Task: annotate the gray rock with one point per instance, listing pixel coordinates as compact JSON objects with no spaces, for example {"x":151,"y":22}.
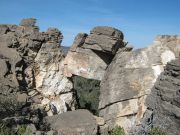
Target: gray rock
{"x":3,"y":29}
{"x":105,"y":39}
{"x":78,"y":41}
{"x":52,"y":132}
{"x":164,"y":101}
{"x":108,"y":31}
{"x":79,"y":122}
{"x":54,"y":35}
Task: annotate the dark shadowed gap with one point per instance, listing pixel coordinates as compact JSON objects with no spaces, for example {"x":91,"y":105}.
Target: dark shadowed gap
{"x":106,"y":57}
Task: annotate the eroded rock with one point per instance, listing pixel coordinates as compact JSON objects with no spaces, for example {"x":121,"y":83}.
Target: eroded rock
{"x":163,"y":103}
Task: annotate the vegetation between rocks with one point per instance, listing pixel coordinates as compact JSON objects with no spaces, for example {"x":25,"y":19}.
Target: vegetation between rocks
{"x":21,"y":130}
{"x":116,"y":131}
{"x":157,"y":131}
{"x":88,"y":91}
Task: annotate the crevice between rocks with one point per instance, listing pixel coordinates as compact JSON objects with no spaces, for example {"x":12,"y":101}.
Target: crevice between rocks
{"x":121,"y":101}
{"x":87,"y":93}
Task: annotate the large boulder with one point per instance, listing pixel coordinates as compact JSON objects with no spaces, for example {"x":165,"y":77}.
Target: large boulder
{"x":90,"y":55}
{"x":129,"y":80}
{"x":79,"y":122}
{"x":106,"y":39}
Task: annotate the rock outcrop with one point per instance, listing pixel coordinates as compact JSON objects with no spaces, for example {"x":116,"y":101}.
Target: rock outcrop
{"x":46,"y":74}
{"x":19,"y":46}
{"x":139,"y":90}
{"x":32,"y":69}
{"x":163,"y":104}
{"x":129,"y":80}
{"x":90,"y":55}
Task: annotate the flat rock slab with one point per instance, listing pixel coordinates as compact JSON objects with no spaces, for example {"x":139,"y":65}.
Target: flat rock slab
{"x":79,"y":122}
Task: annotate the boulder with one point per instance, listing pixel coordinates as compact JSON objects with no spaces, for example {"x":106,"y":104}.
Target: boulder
{"x":79,"y":122}
{"x":90,"y":55}
{"x":130,"y":78}
{"x":106,"y":39}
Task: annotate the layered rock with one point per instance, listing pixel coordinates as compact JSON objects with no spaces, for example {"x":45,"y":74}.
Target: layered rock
{"x":129,"y":80}
{"x":32,"y":68}
{"x":163,"y":104}
{"x":19,"y":46}
{"x":90,"y":55}
{"x":50,"y":81}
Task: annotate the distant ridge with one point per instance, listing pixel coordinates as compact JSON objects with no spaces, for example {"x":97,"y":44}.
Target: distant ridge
{"x":65,"y":49}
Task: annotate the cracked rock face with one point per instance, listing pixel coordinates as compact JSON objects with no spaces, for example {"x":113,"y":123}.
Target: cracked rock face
{"x":90,"y":55}
{"x":46,"y":76}
{"x":16,"y":53}
{"x":129,"y":80}
{"x":31,"y":63}
{"x":164,"y":102}
{"x":49,"y":78}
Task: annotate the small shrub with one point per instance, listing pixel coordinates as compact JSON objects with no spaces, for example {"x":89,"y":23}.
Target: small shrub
{"x":116,"y":131}
{"x":21,"y":130}
{"x":157,"y":131}
{"x":88,"y":91}
{"x":6,"y":131}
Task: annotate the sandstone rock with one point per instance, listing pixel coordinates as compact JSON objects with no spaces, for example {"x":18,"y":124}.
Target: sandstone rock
{"x":73,"y":123}
{"x":129,"y":80}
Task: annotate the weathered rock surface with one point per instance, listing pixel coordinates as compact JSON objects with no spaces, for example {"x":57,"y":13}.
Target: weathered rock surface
{"x":31,"y":64}
{"x":48,"y":75}
{"x":129,"y":80}
{"x":79,"y":122}
{"x":164,"y":102}
{"x":36,"y":79}
{"x":17,"y":51}
{"x":103,"y":38}
{"x":90,"y":55}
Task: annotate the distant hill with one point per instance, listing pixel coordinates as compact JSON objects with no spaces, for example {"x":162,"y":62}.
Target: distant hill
{"x":65,"y":49}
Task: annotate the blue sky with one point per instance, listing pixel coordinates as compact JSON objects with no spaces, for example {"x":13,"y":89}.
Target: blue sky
{"x":140,"y":20}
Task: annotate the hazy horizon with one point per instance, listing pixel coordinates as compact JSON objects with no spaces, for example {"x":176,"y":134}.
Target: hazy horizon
{"x":140,"y":21}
